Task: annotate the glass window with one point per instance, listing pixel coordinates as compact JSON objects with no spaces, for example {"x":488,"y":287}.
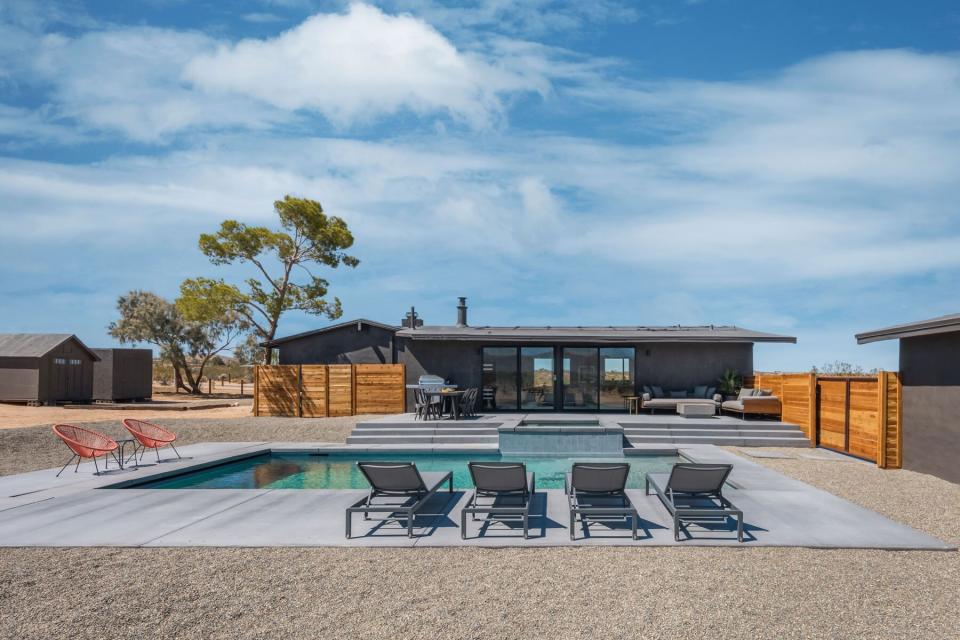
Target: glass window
{"x":616,"y":376}
{"x":74,"y":362}
{"x":499,"y":378}
{"x":579,"y":378}
{"x":536,"y":378}
{"x":59,"y":361}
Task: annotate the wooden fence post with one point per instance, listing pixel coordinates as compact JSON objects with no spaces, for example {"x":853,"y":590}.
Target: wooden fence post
{"x":299,"y":390}
{"x":256,"y":387}
{"x":813,"y":425}
{"x":882,"y":421}
{"x":353,"y":389}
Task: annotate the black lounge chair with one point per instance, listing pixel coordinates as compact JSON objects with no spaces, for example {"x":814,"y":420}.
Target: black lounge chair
{"x":400,"y":480}
{"x":503,"y":493}
{"x":596,"y":491}
{"x":694,"y":493}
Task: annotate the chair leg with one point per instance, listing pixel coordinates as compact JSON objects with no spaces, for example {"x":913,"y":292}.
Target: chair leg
{"x":68,"y":464}
{"x":157,"y":451}
{"x":175,"y":451}
{"x":95,"y":466}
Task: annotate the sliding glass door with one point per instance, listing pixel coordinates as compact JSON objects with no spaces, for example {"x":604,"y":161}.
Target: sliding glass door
{"x":500,"y":378}
{"x":524,"y":378}
{"x":616,"y":376}
{"x":580,"y":378}
{"x":536,"y":379}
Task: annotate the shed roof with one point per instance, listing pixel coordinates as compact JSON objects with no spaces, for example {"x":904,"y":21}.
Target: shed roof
{"x":675,"y":333}
{"x":941,"y":324}
{"x":36,"y":345}
{"x":306,"y":334}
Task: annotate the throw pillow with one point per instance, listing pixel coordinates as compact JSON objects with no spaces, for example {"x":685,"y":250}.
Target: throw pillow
{"x":657,"y":391}
{"x":745,"y":393}
{"x":699,"y":391}
{"x":710,"y":392}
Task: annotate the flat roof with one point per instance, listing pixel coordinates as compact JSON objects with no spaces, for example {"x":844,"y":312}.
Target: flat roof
{"x":675,"y":333}
{"x":941,"y":324}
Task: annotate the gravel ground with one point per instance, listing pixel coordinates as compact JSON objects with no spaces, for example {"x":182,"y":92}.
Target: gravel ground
{"x":30,"y":448}
{"x":504,"y":593}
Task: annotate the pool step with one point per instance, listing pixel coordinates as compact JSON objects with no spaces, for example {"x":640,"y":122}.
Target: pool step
{"x":423,"y":439}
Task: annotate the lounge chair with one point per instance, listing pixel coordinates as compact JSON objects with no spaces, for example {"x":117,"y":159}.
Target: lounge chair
{"x":149,"y":436}
{"x":86,"y":443}
{"x":503,"y":493}
{"x":400,"y":480}
{"x":694,"y":493}
{"x":597,"y":491}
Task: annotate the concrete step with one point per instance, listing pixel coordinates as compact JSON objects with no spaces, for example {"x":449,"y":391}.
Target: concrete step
{"x":710,"y":432}
{"x":724,"y":440}
{"x":423,"y":439}
{"x":709,"y":425}
{"x":438,"y":424}
{"x":421,"y":431}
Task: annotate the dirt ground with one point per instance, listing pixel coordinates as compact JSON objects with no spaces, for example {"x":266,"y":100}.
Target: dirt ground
{"x":18,"y":415}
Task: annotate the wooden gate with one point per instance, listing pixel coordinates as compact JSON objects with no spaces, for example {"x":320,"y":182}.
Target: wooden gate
{"x":859,"y":415}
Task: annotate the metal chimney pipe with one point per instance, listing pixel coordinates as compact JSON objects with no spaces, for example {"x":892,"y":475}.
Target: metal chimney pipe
{"x":462,"y":312}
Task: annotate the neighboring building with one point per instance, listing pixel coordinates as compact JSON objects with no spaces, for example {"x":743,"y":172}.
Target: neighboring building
{"x":536,"y":368}
{"x":123,"y":374}
{"x":45,"y":368}
{"x":930,"y":379}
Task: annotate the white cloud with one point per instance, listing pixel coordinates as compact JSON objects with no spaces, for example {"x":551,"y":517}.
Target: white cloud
{"x":358,"y":66}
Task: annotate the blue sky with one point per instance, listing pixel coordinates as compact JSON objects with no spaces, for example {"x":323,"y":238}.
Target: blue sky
{"x":785,"y":166}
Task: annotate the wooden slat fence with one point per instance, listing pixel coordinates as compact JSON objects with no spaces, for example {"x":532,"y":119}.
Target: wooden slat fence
{"x":317,"y":391}
{"x":859,"y":415}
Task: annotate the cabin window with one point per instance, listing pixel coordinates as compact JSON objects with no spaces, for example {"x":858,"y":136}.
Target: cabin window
{"x":59,"y":361}
{"x":75,"y":362}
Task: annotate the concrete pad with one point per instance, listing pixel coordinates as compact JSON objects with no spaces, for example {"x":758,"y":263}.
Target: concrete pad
{"x":779,"y":511}
{"x":760,"y":453}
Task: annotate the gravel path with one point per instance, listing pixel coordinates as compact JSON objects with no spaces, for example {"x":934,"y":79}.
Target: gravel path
{"x":502,"y":593}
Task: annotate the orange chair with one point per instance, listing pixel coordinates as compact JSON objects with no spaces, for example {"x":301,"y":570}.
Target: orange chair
{"x":86,"y":443}
{"x":150,"y":436}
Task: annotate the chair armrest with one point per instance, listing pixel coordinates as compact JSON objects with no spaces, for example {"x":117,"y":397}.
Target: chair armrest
{"x":646,"y":397}
{"x":717,"y":397}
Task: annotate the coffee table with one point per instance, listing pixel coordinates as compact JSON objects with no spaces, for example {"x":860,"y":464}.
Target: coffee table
{"x":696,"y":409}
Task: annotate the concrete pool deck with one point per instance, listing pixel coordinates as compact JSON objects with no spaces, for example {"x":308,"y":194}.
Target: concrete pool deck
{"x":38,"y":509}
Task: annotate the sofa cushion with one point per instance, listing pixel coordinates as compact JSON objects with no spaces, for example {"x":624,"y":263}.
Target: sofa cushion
{"x":709,"y":392}
{"x":647,"y":389}
{"x":764,"y":392}
{"x":746,"y":393}
{"x":700,"y":391}
{"x":733,"y":404}
{"x":657,"y":391}
{"x":678,"y":394}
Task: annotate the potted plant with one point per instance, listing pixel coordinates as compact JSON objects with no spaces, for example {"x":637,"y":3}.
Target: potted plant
{"x":729,"y":384}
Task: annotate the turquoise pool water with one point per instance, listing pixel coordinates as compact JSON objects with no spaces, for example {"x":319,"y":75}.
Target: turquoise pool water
{"x":339,"y":471}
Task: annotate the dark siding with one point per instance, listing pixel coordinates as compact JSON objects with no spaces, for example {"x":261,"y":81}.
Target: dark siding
{"x":930,"y":370}
{"x":684,"y":365}
{"x":346,"y":345}
{"x":123,"y":374}
{"x":66,"y":382}
{"x":19,"y":379}
{"x":458,"y":362}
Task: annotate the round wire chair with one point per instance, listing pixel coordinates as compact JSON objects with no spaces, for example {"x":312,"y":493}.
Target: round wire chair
{"x":85,"y":443}
{"x":150,"y":436}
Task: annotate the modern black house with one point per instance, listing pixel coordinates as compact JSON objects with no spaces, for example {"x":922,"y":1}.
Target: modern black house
{"x":930,"y":382}
{"x":544,"y":368}
{"x":45,"y":368}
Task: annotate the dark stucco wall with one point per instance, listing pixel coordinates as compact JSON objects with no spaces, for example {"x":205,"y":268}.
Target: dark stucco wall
{"x":930,"y":370}
{"x":346,"y":345}
{"x":458,"y":362}
{"x":684,"y":365}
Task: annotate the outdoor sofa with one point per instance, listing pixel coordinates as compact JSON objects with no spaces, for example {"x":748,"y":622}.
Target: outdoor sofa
{"x":693,"y":493}
{"x":503,"y":492}
{"x":400,"y":491}
{"x":753,"y":402}
{"x":656,"y":398}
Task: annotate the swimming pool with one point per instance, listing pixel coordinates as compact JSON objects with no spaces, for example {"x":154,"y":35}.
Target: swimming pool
{"x":339,"y":471}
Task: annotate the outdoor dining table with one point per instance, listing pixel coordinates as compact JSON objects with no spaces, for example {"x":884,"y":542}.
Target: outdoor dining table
{"x":454,"y":395}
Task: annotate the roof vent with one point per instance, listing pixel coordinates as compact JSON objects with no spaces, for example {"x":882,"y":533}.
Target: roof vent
{"x":462,"y":312}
